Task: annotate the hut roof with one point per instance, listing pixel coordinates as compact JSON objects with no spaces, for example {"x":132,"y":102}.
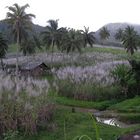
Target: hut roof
{"x":32,"y":65}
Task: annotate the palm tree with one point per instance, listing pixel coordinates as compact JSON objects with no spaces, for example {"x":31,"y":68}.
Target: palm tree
{"x":3,"y":48}
{"x":62,"y":36}
{"x":20,"y":22}
{"x":119,"y":34}
{"x":29,"y":46}
{"x":104,"y":33}
{"x":88,"y":37}
{"x":50,"y":35}
{"x":130,"y":39}
{"x":73,"y":41}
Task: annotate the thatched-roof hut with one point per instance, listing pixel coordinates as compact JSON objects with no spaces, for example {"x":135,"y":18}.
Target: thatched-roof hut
{"x":34,"y":69}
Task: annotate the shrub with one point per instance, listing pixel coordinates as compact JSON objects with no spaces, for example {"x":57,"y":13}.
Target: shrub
{"x":135,"y":70}
{"x":122,"y":76}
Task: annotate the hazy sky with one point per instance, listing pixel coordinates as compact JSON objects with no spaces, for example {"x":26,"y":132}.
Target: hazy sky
{"x":79,"y":13}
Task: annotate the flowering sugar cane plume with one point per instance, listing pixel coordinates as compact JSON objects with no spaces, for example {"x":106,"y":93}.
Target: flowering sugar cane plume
{"x":98,"y":74}
{"x":88,"y":58}
{"x":33,"y":87}
{"x":28,"y":106}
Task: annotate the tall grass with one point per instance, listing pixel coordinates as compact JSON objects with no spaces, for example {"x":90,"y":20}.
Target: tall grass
{"x":89,"y":92}
{"x":88,"y":83}
{"x":26,"y":111}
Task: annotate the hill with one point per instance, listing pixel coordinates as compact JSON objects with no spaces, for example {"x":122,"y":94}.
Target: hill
{"x":6,"y":31}
{"x":113,"y":27}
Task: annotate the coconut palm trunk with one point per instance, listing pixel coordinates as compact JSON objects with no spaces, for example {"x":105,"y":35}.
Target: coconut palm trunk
{"x":52,"y":51}
{"x":17,"y":63}
{"x":17,"y":53}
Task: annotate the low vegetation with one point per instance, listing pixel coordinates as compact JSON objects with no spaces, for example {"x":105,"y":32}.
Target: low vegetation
{"x":69,"y":125}
{"x":102,"y":105}
{"x":27,"y":110}
{"x":130,"y":105}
